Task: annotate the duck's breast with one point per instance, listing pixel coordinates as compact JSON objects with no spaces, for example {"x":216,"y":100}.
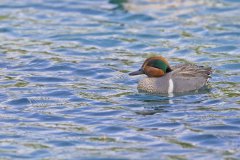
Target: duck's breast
{"x":154,"y":85}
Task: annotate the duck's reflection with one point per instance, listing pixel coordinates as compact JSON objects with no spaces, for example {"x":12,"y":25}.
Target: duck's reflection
{"x":119,"y":3}
{"x":159,"y":103}
{"x":176,"y":7}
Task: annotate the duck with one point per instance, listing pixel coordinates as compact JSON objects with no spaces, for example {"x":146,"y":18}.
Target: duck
{"x":165,"y":79}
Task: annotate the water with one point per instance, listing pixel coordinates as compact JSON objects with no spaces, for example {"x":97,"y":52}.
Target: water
{"x":65,"y":92}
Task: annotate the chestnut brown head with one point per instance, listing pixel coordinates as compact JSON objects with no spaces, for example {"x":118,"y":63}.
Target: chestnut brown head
{"x":153,"y":67}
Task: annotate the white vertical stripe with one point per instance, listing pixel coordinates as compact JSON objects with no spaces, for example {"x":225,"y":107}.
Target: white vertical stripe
{"x":170,"y":86}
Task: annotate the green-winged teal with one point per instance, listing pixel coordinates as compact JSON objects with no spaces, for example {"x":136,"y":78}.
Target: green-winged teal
{"x":176,"y":79}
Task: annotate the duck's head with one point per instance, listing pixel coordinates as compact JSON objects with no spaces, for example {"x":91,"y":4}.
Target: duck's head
{"x":155,"y":66}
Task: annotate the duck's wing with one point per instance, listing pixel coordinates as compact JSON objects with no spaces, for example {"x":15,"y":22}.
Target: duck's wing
{"x":189,"y":77}
{"x":188,"y":71}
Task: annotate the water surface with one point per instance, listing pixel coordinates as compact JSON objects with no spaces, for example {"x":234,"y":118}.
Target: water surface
{"x":65,"y":92}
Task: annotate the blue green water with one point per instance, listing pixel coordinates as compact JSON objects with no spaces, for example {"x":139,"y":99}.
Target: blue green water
{"x":65,"y":92}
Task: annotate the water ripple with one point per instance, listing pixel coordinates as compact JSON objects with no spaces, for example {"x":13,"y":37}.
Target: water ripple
{"x":65,"y":92}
